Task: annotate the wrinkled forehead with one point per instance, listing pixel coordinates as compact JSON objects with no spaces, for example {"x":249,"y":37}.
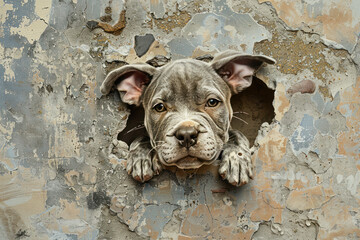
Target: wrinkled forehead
{"x":186,"y":79}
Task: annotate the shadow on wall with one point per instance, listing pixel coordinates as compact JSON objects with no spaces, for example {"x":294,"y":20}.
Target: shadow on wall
{"x":251,"y":107}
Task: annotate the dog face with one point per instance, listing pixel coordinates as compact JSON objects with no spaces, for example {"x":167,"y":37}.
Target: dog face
{"x":186,"y":103}
{"x":187,"y":113}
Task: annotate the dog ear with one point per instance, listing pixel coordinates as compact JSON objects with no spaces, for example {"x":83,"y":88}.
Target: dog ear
{"x":237,"y":68}
{"x":130,"y":81}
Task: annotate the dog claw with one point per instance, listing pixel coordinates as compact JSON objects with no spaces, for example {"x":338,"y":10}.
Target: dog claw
{"x":147,"y":178}
{"x":223,"y":176}
{"x":137,"y":178}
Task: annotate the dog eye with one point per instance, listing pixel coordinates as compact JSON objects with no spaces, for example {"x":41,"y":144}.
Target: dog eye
{"x":212,"y":102}
{"x":159,"y":107}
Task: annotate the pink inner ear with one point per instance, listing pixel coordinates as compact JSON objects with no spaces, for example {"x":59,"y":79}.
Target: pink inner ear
{"x":132,"y":86}
{"x":240,"y":76}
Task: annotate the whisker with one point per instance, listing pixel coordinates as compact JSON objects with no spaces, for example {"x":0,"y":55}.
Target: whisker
{"x":157,"y":146}
{"x":154,"y":148}
{"x":241,"y":113}
{"x":135,"y":128}
{"x":240,"y":119}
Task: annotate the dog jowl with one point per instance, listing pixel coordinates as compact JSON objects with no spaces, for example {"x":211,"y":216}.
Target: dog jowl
{"x":188,"y":113}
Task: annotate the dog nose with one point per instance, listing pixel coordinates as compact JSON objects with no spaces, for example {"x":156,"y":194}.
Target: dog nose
{"x":187,"y":136}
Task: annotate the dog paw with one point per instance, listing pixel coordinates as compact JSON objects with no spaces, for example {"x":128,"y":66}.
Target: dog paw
{"x":142,"y":166}
{"x":236,"y":167}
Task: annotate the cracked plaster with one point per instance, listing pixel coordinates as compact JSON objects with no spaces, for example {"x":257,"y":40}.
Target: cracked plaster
{"x":62,"y":169}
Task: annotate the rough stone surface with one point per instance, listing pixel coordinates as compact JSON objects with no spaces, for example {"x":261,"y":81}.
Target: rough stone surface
{"x":62,"y":168}
{"x":333,"y":14}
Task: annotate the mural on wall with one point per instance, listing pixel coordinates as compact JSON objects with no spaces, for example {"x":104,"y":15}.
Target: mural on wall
{"x":63,"y":168}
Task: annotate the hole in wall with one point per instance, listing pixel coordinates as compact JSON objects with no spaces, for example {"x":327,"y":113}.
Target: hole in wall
{"x":134,"y":125}
{"x":253,"y":107}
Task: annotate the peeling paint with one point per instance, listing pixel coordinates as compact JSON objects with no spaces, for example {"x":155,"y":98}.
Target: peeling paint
{"x":304,"y":135}
{"x":217,"y":31}
{"x":340,"y":20}
{"x":301,"y":200}
{"x":62,"y":168}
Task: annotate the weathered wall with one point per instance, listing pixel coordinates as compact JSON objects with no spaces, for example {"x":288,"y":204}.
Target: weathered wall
{"x":62,"y":170}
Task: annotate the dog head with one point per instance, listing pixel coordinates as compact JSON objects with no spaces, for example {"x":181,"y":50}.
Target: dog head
{"x":186,"y":103}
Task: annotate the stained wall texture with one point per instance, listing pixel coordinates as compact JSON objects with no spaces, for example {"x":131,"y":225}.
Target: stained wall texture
{"x":62,"y":168}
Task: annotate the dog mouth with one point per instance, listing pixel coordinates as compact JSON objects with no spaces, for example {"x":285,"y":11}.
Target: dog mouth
{"x":190,"y":162}
{"x":204,"y":151}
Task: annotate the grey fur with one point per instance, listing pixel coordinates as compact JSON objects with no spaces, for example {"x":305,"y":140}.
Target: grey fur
{"x":184,"y":87}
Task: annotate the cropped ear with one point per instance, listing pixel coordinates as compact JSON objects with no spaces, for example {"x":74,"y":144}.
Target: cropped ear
{"x":237,"y":68}
{"x":130,"y":81}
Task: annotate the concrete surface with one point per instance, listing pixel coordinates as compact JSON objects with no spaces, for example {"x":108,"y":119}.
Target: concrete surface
{"x":62,"y":168}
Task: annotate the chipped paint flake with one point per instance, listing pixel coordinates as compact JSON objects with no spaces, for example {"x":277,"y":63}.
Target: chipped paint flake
{"x":304,"y":135}
{"x":42,"y":9}
{"x":5,"y":9}
{"x":281,"y":103}
{"x":31,"y":30}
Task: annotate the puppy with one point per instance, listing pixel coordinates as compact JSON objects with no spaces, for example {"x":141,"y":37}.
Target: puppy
{"x":188,"y":113}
